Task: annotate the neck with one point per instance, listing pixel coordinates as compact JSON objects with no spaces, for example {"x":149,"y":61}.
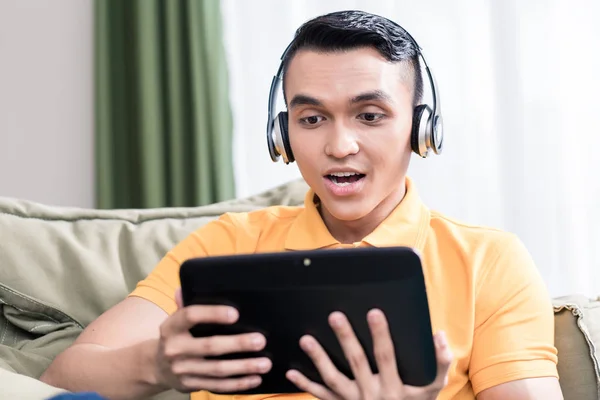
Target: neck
{"x":348,"y":232}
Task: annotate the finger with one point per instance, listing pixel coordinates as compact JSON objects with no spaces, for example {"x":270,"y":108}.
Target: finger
{"x":185,"y":346}
{"x":233,"y":385}
{"x":185,"y":318}
{"x":354,"y":352}
{"x":220,"y":368}
{"x":444,"y":359}
{"x":178,"y":298}
{"x":385,"y":355}
{"x":308,"y":386}
{"x":334,"y":379}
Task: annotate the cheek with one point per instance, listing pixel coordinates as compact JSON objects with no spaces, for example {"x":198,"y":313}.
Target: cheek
{"x":305,"y":150}
{"x":298,"y":147}
{"x":389,"y":151}
{"x":400,"y":143}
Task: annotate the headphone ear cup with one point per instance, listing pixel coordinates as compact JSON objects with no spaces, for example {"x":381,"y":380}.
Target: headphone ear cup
{"x":437,"y":134}
{"x":288,"y":157}
{"x":419,"y":133}
{"x":271,"y":139}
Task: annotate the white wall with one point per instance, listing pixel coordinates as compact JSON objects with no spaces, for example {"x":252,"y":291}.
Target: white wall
{"x":46,"y":101}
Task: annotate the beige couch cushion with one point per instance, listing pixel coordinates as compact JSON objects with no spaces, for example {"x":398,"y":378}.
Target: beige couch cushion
{"x":577,"y":337}
{"x":60,"y":268}
{"x":84,"y":261}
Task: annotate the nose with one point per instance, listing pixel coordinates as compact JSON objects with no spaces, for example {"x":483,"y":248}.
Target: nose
{"x":342,"y":142}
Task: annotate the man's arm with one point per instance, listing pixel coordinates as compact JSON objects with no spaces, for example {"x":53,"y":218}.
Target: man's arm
{"x":128,"y":354}
{"x":525,"y":389}
{"x":513,"y":354}
{"x":115,"y":354}
{"x":142,"y":346}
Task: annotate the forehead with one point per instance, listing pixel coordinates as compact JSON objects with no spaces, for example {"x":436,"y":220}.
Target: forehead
{"x":331,"y":75}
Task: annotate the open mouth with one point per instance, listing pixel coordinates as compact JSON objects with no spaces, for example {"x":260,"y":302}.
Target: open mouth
{"x":345,"y":178}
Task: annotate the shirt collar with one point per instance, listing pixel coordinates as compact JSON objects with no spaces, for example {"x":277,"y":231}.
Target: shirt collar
{"x":405,"y":226}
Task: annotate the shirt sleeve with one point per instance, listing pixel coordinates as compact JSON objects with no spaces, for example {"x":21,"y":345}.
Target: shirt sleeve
{"x":217,"y":237}
{"x":514,"y":321}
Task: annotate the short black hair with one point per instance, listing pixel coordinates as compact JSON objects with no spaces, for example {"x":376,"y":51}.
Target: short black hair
{"x":352,"y":29}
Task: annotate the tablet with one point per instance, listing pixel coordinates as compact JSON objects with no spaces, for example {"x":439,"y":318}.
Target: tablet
{"x":289,"y":294}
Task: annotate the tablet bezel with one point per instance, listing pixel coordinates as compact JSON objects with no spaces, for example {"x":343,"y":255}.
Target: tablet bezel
{"x":243,"y":279}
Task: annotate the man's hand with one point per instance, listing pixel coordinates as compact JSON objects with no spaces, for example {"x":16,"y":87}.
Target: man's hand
{"x":387,"y":384}
{"x":181,"y":362}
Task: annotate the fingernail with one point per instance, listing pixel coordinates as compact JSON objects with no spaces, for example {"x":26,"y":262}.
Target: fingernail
{"x":336,"y":320}
{"x":257,"y":340}
{"x":232,"y":314}
{"x":307,"y":343}
{"x":264,"y":365}
{"x":441,"y":340}
{"x":375,"y":315}
{"x":292,"y":375}
{"x":255,"y":380}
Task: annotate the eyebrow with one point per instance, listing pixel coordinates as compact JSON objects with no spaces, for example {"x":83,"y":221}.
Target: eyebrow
{"x":304,"y":100}
{"x":375,"y":95}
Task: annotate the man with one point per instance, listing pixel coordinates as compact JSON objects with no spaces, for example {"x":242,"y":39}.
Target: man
{"x":351,"y":83}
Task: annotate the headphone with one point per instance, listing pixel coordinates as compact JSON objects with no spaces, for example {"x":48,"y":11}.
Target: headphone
{"x":426,"y":134}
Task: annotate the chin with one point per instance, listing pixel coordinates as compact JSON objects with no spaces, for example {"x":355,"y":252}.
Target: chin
{"x":345,"y":210}
{"x":347,"y":215}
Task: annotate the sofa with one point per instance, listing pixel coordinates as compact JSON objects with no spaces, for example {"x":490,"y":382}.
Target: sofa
{"x":61,"y":267}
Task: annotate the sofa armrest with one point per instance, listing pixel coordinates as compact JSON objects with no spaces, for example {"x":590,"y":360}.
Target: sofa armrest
{"x":17,"y":386}
{"x":577,"y":339}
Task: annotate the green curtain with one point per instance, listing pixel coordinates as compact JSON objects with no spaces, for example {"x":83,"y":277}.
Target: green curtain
{"x":163,"y":119}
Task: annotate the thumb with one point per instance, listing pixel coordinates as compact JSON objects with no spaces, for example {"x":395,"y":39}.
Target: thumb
{"x":444,"y":358}
{"x":178,"y":298}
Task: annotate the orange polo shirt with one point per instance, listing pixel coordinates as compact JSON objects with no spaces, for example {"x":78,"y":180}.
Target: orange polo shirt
{"x":483,"y":288}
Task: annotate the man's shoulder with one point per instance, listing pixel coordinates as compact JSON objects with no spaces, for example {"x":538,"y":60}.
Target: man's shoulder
{"x":468,"y":238}
{"x":256,"y":224}
{"x":264,"y":217}
{"x":455,"y":226}
{"x":248,"y":231}
{"x":489,"y":254}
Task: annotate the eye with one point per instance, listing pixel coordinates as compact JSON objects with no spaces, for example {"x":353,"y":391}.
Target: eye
{"x":371,"y":117}
{"x":312,"y":120}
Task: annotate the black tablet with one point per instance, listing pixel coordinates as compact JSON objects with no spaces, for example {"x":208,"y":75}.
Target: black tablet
{"x":289,"y":294}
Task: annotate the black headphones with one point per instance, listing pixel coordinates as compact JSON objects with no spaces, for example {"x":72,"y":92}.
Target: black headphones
{"x":426,"y":136}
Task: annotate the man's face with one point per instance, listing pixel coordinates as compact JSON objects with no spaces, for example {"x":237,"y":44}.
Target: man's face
{"x":350,"y":118}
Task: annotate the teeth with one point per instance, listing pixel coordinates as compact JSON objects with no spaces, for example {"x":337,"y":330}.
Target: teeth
{"x":342,"y":184}
{"x":341,"y":174}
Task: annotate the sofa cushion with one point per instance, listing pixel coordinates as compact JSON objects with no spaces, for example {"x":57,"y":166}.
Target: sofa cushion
{"x":32,"y":334}
{"x":60,"y":267}
{"x":17,"y":386}
{"x":577,"y":337}
{"x":81,"y":262}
